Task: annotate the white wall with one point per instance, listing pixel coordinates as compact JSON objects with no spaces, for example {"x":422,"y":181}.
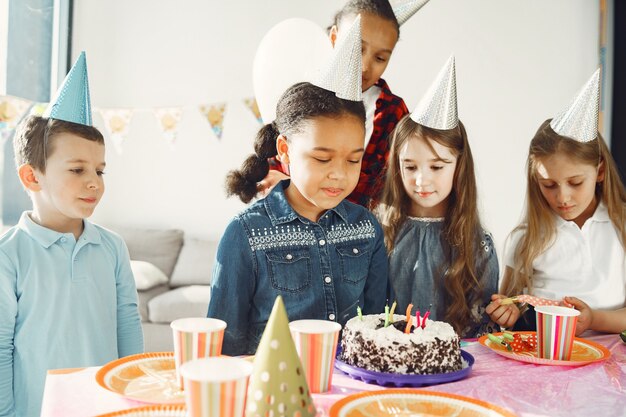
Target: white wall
{"x":518,"y":63}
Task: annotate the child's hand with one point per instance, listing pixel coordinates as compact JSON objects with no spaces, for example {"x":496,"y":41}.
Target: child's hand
{"x":586,"y":314}
{"x":271,"y":179}
{"x":504,"y":315}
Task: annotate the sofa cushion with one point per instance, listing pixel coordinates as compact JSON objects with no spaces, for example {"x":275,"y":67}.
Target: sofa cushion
{"x":145,"y":296}
{"x":191,"y":301}
{"x":159,"y":247}
{"x":147,"y":275}
{"x":195,"y":263}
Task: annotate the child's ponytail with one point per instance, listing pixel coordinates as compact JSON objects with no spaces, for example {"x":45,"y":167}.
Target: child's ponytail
{"x":243,"y":182}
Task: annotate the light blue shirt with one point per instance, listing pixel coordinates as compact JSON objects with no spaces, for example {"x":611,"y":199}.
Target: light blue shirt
{"x":63,"y":304}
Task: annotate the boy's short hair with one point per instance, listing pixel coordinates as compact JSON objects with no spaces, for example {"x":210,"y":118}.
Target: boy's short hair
{"x":33,"y":139}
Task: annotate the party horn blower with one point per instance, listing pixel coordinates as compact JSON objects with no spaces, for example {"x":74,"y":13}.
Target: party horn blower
{"x":556,"y":327}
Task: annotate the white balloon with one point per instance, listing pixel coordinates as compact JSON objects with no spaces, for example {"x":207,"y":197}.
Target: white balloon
{"x":290,"y":52}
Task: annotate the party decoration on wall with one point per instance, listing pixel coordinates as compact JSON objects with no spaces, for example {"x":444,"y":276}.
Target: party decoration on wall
{"x":168,"y":120}
{"x":253,"y":106}
{"x":278,"y":385}
{"x":214,"y":113}
{"x":116,"y":122}
{"x":12,"y":109}
{"x":287,"y":54}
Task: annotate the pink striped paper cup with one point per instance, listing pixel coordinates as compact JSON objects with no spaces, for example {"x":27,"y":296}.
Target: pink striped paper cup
{"x":194,"y":338}
{"x":556,"y":327}
{"x":316,"y":343}
{"x":216,"y":387}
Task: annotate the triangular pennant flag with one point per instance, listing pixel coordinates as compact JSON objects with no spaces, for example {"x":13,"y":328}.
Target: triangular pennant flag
{"x":579,"y":120}
{"x":438,"y":109}
{"x":116,"y":122}
{"x":168,"y":120}
{"x":342,"y":74}
{"x":252,"y":105}
{"x":406,"y":10}
{"x":12,"y":109}
{"x":277,"y":384}
{"x":72,"y":102}
{"x":214,"y":114}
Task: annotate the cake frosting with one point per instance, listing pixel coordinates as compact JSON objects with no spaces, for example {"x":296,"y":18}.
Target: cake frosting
{"x":366,"y":343}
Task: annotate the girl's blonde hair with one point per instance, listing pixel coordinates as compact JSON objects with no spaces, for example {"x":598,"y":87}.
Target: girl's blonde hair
{"x":462,"y":228}
{"x":538,"y":225}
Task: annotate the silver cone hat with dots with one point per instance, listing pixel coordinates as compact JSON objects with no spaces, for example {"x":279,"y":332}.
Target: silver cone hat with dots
{"x":438,"y":108}
{"x":579,"y":120}
{"x":342,"y":73}
{"x":406,"y":10}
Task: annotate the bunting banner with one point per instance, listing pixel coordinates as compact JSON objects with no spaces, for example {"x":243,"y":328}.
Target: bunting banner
{"x":168,"y":120}
{"x":252,"y":105}
{"x":116,"y":122}
{"x":12,"y":109}
{"x":214,"y":113}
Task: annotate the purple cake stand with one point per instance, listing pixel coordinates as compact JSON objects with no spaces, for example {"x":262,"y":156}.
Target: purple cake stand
{"x":401,"y":380}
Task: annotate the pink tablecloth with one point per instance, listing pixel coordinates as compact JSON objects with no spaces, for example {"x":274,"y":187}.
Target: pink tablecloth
{"x":597,"y":389}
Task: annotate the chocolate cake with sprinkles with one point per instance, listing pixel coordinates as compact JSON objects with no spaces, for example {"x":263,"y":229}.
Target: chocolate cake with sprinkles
{"x":368,"y":344}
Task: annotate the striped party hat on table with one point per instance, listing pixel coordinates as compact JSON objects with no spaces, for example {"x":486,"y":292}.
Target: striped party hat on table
{"x":278,"y":385}
{"x":72,"y":102}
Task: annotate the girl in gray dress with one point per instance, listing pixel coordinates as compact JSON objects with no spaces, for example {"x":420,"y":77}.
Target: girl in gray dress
{"x":440,"y":255}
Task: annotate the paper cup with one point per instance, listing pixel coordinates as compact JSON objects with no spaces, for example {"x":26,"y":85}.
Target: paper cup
{"x":196,"y":338}
{"x":216,"y":387}
{"x":556,"y":327}
{"x":316,"y":343}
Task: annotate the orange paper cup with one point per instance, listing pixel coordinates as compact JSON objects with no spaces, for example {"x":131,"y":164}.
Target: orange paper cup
{"x":195,"y":338}
{"x":316,"y":343}
{"x":556,"y":327}
{"x":216,"y":387}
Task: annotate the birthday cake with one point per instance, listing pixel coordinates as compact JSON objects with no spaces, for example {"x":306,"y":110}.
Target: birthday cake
{"x":368,"y":344}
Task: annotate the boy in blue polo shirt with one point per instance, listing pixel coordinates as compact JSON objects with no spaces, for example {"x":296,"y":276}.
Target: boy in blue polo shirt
{"x":67,"y":293}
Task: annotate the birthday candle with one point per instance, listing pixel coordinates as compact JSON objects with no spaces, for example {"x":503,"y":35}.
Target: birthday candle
{"x":393,"y":308}
{"x":359,"y":312}
{"x":409,"y":318}
{"x":386,"y":316}
{"x":425,"y":317}
{"x":418,"y":316}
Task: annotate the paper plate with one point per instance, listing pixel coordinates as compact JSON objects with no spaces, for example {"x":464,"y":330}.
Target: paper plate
{"x":412,"y":402}
{"x":404,"y":380}
{"x":145,"y":377}
{"x":583,"y":352}
{"x":150,"y":411}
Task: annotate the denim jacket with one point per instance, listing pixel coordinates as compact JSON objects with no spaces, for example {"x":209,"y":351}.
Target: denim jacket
{"x":322,"y":270}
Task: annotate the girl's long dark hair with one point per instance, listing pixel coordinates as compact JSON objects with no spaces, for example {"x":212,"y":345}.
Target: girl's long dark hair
{"x":299,"y":104}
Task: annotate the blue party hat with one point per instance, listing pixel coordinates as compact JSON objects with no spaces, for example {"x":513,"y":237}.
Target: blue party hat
{"x":72,"y":102}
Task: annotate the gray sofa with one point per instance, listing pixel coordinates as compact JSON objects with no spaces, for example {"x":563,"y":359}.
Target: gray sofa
{"x":187,"y":263}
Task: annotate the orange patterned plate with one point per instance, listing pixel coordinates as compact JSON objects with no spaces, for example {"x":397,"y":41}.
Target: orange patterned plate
{"x":145,"y":377}
{"x":403,"y":402}
{"x":583,"y":352}
{"x":150,"y":411}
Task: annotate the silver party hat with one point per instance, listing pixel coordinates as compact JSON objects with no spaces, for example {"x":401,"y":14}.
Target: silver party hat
{"x":71,"y":102}
{"x":342,"y":73}
{"x":437,"y":109}
{"x":404,"y":11}
{"x":579,"y":120}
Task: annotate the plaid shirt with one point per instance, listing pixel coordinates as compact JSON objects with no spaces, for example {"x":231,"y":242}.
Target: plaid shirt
{"x":389,"y":110}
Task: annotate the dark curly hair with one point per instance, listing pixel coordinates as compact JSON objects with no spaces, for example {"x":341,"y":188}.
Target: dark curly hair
{"x":299,"y":104}
{"x":380,"y":8}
